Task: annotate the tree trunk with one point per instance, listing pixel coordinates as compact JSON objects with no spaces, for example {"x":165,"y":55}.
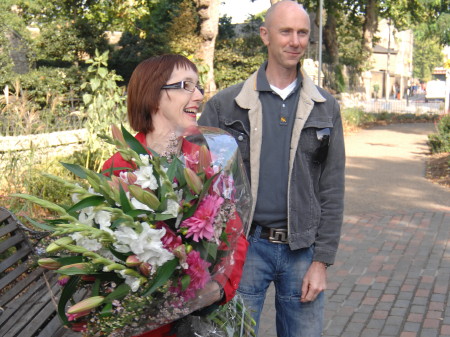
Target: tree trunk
{"x":330,"y":40}
{"x":208,"y":12}
{"x":370,"y":24}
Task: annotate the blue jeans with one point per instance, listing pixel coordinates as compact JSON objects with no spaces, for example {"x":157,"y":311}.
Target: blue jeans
{"x":268,"y":262}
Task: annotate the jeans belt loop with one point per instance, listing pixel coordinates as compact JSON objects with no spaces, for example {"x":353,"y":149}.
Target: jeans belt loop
{"x":278,"y":235}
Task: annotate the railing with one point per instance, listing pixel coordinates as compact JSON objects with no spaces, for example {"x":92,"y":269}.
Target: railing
{"x":403,"y":106}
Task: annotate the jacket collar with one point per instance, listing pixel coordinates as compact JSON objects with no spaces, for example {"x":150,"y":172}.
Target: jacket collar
{"x":248,"y":97}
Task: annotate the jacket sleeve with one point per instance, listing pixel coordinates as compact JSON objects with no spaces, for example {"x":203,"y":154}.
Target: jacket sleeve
{"x":331,"y":193}
{"x":210,"y":114}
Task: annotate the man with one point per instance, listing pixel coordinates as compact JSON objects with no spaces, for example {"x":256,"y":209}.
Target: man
{"x":290,"y":135}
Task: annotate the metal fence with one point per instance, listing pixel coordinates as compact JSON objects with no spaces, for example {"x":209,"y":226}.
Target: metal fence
{"x":403,"y":106}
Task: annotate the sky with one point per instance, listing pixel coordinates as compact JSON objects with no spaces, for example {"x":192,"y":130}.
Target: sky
{"x":240,"y":9}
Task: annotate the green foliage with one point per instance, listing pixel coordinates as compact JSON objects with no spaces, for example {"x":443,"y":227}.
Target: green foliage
{"x":169,"y":26}
{"x":440,"y":141}
{"x":32,"y":108}
{"x":66,"y":40}
{"x":104,"y":104}
{"x":236,"y":59}
{"x":23,"y":174}
{"x":356,"y":117}
{"x":427,"y":54}
{"x":226,"y":29}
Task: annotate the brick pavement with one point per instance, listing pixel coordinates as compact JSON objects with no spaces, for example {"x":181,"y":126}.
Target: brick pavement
{"x":391,"y":278}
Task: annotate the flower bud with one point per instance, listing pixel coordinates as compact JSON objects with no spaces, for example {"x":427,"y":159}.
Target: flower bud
{"x":49,"y":263}
{"x":87,"y":278}
{"x":117,"y":134}
{"x":193,"y":180}
{"x":56,"y":245}
{"x":145,"y":197}
{"x":63,"y":279}
{"x":131,"y":177}
{"x":82,"y":266}
{"x":113,"y":266}
{"x":86,"y":304}
{"x":204,"y":159}
{"x":132,"y":261}
{"x":78,"y":326}
{"x":145,"y":269}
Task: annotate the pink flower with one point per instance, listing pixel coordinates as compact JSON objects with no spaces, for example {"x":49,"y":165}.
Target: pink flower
{"x":200,"y":225}
{"x":198,"y":271}
{"x":170,"y":240}
{"x":72,"y":317}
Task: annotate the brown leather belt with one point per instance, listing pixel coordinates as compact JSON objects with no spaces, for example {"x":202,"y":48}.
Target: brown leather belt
{"x":274,"y":235}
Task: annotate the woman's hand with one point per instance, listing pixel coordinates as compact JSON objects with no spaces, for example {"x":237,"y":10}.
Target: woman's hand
{"x":210,"y":294}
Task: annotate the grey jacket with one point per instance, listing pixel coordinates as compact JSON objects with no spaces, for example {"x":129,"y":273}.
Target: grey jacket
{"x":315,"y":191}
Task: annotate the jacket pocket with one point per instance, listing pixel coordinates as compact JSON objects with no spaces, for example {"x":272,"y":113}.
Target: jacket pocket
{"x":314,"y":140}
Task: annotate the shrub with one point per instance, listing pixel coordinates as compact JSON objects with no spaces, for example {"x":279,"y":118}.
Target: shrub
{"x":356,"y":117}
{"x":440,"y":141}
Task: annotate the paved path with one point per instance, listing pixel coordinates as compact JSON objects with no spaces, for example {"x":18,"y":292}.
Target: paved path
{"x":392,"y":271}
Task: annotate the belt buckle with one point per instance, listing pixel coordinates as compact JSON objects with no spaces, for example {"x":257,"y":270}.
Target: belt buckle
{"x":278,"y":235}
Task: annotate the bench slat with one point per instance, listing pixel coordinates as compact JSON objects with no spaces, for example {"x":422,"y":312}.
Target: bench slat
{"x":12,"y":241}
{"x":24,"y":294}
{"x":54,"y":328}
{"x":37,"y":319}
{"x":27,"y":307}
{"x":4,"y":214}
{"x":6,"y":229}
{"x":21,"y":285}
{"x":17,"y":256}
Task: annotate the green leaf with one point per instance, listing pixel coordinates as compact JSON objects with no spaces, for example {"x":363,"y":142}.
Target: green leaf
{"x":132,"y":142}
{"x":176,"y":171}
{"x":162,"y":217}
{"x":121,"y":256}
{"x":75,"y":169}
{"x":87,"y":98}
{"x":66,"y":294}
{"x":210,"y":249}
{"x":185,"y":281}
{"x":40,"y":225}
{"x":136,"y":212}
{"x":72,"y":271}
{"x":120,"y":292}
{"x":69,"y":259}
{"x":94,"y":200}
{"x":124,"y":202}
{"x":162,"y":275}
{"x":106,"y":310}
{"x":102,"y":72}
{"x":96,"y":288}
{"x":95,"y":83}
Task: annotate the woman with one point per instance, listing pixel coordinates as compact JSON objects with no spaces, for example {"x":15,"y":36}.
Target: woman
{"x":164,"y":98}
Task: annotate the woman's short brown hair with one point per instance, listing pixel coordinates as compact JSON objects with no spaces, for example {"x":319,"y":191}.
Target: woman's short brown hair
{"x":144,"y":88}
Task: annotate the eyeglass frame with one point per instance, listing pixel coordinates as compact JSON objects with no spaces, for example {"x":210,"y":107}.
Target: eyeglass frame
{"x":181,"y":85}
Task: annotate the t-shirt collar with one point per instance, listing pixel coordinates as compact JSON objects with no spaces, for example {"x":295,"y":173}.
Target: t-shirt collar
{"x":262,"y":84}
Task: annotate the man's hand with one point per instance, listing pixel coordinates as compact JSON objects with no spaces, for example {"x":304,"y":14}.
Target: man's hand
{"x":314,"y":282}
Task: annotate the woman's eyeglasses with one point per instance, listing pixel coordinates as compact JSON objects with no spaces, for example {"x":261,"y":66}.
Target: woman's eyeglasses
{"x":186,"y":85}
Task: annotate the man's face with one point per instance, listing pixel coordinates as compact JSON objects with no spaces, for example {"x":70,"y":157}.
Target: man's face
{"x":286,"y":34}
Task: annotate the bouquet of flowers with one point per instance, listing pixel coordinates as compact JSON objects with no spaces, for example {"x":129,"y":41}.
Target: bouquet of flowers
{"x":148,"y":241}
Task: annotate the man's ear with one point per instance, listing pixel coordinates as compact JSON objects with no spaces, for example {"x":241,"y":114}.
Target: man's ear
{"x":264,"y":34}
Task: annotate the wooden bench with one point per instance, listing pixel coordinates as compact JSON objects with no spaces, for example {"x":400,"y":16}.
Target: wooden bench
{"x":28,"y":308}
